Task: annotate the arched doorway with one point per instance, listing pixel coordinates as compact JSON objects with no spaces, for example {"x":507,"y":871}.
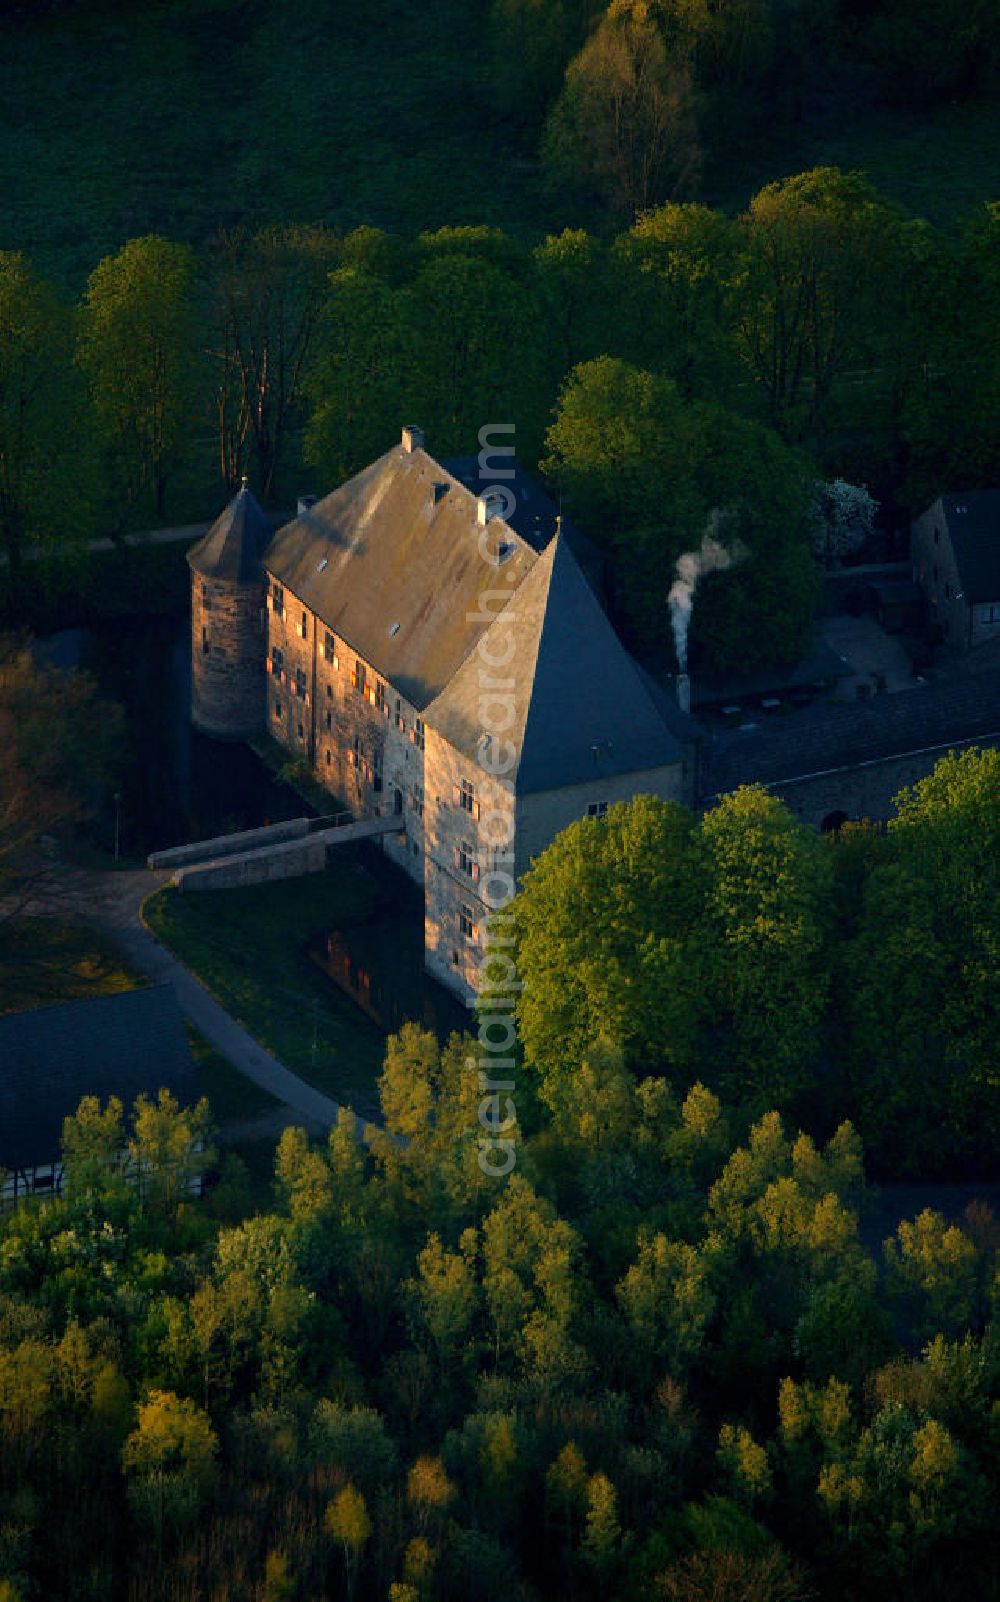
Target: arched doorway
{"x":833,"y":821}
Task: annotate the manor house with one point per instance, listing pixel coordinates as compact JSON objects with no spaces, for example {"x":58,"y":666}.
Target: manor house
{"x":435,"y":651}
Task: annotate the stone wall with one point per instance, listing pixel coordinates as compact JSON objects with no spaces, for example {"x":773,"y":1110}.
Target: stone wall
{"x":936,"y":571}
{"x":228,"y":641}
{"x":363,"y":742}
{"x":864,"y":791}
{"x":540,"y":817}
{"x":288,"y":861}
{"x":469,"y":817}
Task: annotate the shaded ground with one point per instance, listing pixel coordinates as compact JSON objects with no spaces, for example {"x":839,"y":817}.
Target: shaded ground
{"x":111,"y":903}
{"x":870,"y":652}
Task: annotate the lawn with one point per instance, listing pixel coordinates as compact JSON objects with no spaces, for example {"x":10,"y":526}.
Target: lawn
{"x":250,"y":948}
{"x":43,"y":961}
{"x":195,"y":115}
{"x":232,"y":1096}
{"x":940,"y":165}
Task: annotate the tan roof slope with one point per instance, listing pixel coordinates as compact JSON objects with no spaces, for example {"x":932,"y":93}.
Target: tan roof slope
{"x":391,"y":561}
{"x":581,"y":709}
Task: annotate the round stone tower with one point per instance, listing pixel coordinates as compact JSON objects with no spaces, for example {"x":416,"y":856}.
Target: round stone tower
{"x":228,"y":640}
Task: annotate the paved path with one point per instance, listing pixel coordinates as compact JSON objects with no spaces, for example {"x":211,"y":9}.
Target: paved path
{"x":112,"y":902}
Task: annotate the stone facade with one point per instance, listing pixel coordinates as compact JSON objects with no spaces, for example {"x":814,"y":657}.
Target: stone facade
{"x":543,"y":815}
{"x":227,"y":653}
{"x":965,"y":622}
{"x":826,"y":800}
{"x":469,"y":827}
{"x":362,"y":741}
{"x":936,"y":571}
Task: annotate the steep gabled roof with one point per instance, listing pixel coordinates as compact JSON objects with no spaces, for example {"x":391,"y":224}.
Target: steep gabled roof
{"x":51,"y":1057}
{"x":234,"y":546}
{"x":974,"y":527}
{"x":582,"y":710}
{"x":391,"y":562}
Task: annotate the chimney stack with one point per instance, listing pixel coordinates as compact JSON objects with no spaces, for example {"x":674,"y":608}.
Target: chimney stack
{"x":413,"y":438}
{"x":683,"y":686}
{"x":488,"y":505}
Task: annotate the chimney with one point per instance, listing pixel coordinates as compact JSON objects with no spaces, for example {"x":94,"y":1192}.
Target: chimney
{"x":413,"y":438}
{"x":683,"y":686}
{"x":488,"y":505}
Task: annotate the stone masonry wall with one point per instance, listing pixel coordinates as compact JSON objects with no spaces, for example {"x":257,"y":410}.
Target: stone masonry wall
{"x":228,"y":641}
{"x":861,"y":792}
{"x":540,"y":817}
{"x":464,"y":844}
{"x":363,"y":742}
{"x":936,"y":571}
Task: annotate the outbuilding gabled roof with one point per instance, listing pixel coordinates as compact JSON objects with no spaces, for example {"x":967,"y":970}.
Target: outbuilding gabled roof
{"x":581,"y":707}
{"x":51,"y":1057}
{"x":973,"y":521}
{"x":391,"y":562}
{"x":233,"y":549}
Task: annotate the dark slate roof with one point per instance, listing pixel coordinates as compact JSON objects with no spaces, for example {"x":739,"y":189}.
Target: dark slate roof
{"x":973,"y":521}
{"x":51,"y":1057}
{"x":536,"y":517}
{"x":233,"y":549}
{"x":820,"y":665}
{"x":398,"y":544}
{"x":820,"y":739}
{"x":582,"y":708}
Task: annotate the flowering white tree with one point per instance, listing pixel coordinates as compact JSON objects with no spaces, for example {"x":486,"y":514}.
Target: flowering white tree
{"x":840,"y":520}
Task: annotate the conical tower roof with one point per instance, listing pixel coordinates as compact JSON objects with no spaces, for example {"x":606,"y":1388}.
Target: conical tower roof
{"x":234,"y":546}
{"x":581,"y":707}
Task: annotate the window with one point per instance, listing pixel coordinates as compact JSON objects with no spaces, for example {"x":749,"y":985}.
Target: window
{"x":467,"y":922}
{"x":465,"y":861}
{"x":304,"y":626}
{"x":277,"y":661}
{"x":277,"y":599}
{"x":206,"y":598}
{"x":418,"y":731}
{"x":330,"y":648}
{"x":329,"y":759}
{"x":358,"y":677}
{"x":465,"y":797}
{"x":300,"y":683}
{"x":990,"y":614}
{"x":380,"y":695}
{"x":301,"y":732}
{"x":417,"y":800}
{"x":400,"y":723}
{"x":597,"y":809}
{"x":329,"y":720}
{"x":279,"y":711}
{"x":204,"y":641}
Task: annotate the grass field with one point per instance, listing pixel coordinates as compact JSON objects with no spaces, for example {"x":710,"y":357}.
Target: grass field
{"x":43,"y":961}
{"x":194,"y":115}
{"x":248,"y":947}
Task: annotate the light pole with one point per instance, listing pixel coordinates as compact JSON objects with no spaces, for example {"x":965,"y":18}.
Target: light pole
{"x":118,"y":819}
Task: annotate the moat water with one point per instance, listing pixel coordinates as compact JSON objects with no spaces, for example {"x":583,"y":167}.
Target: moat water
{"x":178,"y":785}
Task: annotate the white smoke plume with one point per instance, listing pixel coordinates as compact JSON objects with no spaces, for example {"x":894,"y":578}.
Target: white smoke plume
{"x":710,"y":557}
